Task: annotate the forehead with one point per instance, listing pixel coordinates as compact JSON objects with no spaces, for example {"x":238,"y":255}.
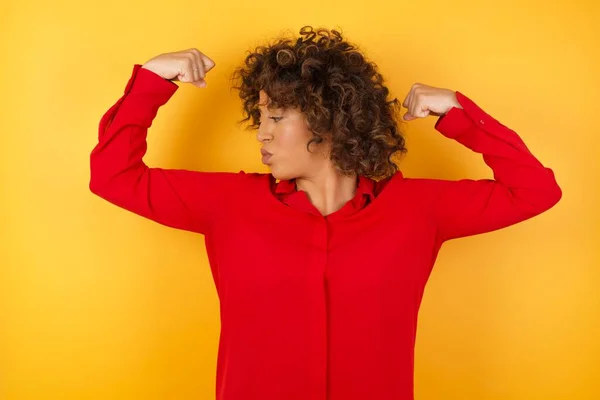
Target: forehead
{"x":263,"y":99}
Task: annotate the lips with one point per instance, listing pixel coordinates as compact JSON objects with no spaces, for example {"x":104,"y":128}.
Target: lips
{"x":265,"y":156}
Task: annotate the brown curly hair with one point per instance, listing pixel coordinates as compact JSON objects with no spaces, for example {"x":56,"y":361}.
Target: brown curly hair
{"x":340,"y":92}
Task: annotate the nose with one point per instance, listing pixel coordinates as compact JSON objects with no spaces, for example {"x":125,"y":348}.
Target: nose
{"x":264,"y":133}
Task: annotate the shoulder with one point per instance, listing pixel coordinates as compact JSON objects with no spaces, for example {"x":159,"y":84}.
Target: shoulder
{"x":255,"y":178}
{"x":253,"y":182}
{"x":413,"y":189}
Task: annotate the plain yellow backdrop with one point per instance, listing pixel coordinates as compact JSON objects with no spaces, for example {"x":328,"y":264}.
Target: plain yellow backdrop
{"x":99,"y":304}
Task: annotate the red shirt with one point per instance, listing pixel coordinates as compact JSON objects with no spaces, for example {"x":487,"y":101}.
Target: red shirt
{"x":314,"y":307}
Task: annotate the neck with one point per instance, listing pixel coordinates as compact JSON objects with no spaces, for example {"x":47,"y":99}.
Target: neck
{"x":328,"y":190}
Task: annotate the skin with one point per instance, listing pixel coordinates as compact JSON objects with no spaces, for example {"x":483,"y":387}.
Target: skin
{"x":285,"y":133}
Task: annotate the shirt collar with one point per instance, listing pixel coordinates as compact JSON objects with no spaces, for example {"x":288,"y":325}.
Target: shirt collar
{"x":364,"y":188}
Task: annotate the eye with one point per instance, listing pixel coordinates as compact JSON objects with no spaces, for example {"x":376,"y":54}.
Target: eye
{"x":276,"y":119}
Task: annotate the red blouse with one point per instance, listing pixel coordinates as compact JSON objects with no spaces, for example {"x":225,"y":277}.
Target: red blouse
{"x":314,"y":307}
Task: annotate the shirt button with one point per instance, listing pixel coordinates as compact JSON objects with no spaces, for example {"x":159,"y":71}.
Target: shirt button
{"x":481,"y":121}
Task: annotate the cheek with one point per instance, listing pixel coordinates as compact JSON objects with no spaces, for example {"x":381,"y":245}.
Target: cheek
{"x":293,"y":157}
{"x":294,"y":140}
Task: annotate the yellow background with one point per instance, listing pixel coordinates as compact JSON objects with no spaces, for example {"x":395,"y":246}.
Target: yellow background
{"x":98,"y":303}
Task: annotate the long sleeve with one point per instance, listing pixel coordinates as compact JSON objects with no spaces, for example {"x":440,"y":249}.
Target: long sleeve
{"x":183,"y":199}
{"x":522,"y":187}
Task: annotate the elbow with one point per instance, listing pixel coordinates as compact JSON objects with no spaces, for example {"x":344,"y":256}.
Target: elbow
{"x":554,"y":195}
{"x":114,"y":185}
{"x":104,"y":185}
{"x":547,"y":196}
{"x":104,"y":177}
{"x":96,"y":186}
{"x":553,"y":191}
{"x":106,"y":188}
{"x":537,"y":198}
{"x":99,"y":182}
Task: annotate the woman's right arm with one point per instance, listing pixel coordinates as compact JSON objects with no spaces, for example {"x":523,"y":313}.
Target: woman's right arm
{"x":178,"y":198}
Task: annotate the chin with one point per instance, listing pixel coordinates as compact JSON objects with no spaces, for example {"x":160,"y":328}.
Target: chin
{"x":281,"y":175}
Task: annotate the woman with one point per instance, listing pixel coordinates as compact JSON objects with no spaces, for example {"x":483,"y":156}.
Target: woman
{"x":320,"y":266}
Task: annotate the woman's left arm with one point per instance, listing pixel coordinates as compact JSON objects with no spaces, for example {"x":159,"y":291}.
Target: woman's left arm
{"x":522,"y":187}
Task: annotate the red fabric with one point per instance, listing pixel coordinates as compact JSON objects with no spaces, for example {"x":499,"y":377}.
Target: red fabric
{"x":317,"y":307}
{"x":287,"y":193}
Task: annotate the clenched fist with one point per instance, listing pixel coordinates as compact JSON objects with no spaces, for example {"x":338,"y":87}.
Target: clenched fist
{"x":189,"y":66}
{"x":423,"y":100}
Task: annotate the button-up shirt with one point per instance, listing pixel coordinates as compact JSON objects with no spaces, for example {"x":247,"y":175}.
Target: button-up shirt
{"x":287,"y":192}
{"x":317,"y":307}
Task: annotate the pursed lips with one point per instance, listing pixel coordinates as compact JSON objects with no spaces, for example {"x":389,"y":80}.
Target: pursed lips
{"x":265,"y":156}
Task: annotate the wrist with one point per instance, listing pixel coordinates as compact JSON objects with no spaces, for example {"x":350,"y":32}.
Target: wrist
{"x":455,"y":102}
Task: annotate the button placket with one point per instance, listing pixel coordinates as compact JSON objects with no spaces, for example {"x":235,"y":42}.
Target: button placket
{"x":318,"y":295}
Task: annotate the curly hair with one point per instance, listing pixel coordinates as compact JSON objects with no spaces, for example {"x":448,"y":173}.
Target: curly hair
{"x":341,"y":94}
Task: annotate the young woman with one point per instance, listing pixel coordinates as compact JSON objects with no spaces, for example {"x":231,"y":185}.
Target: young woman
{"x":321,"y":264}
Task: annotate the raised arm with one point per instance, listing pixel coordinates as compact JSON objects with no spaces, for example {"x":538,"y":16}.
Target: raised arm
{"x":522,"y":187}
{"x":178,"y":198}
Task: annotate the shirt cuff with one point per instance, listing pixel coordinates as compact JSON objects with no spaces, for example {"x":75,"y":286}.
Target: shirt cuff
{"x":146,"y":82}
{"x":459,"y":120}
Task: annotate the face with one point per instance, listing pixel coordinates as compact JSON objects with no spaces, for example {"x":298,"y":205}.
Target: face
{"x":284,"y":133}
